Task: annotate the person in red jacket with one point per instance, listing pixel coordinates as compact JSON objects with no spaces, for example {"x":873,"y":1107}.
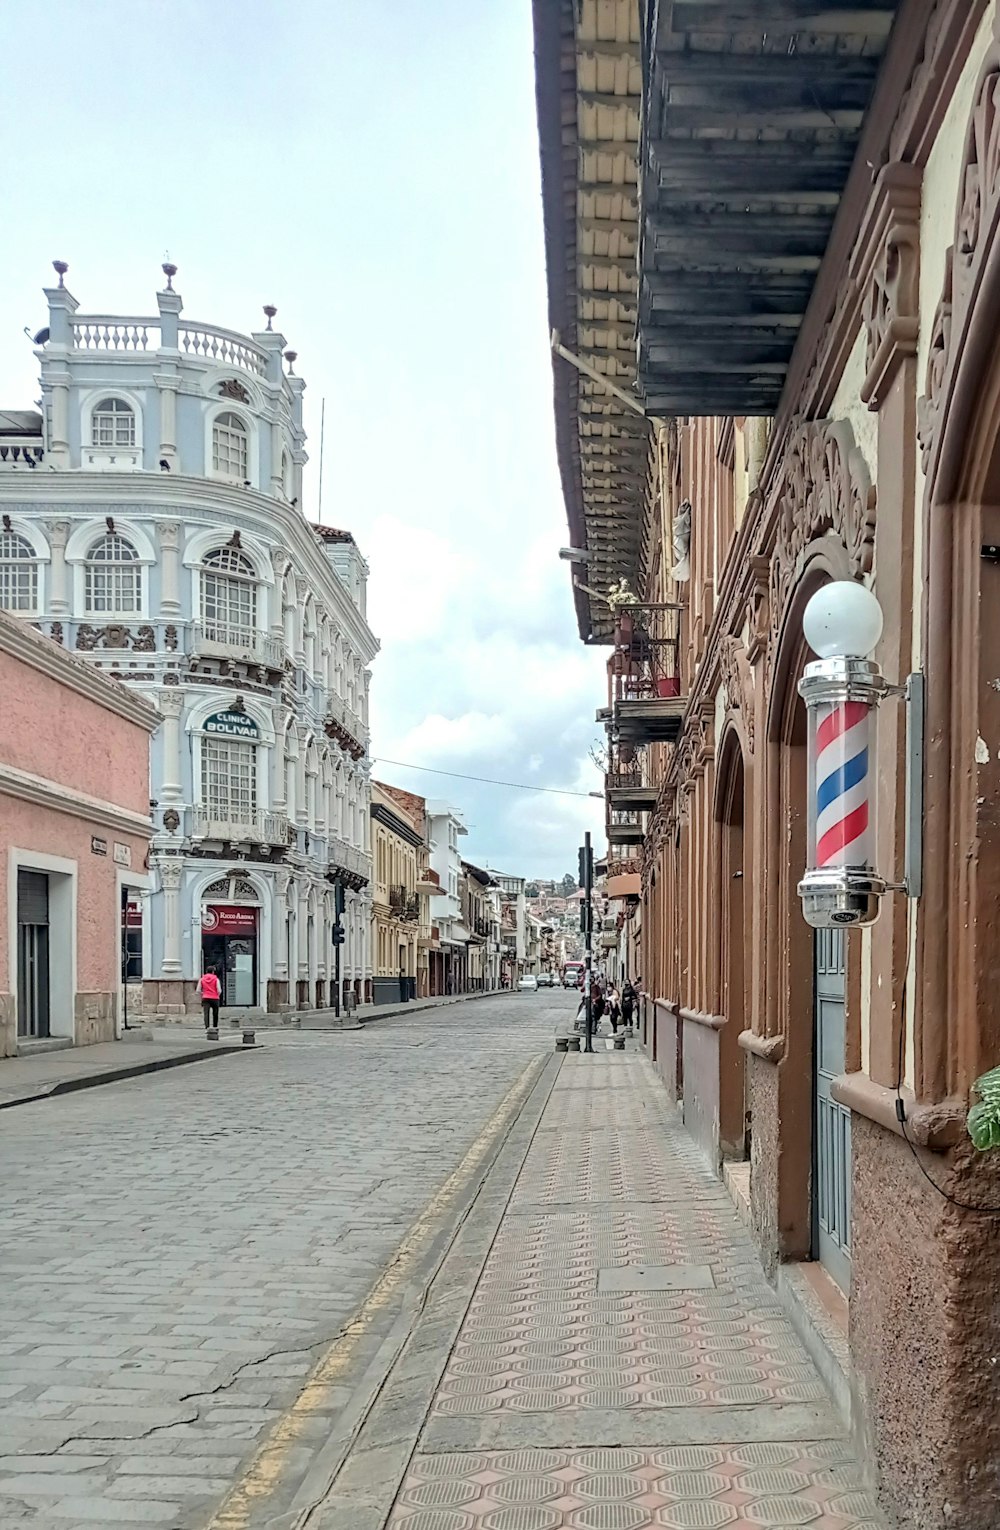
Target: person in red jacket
{"x":211,"y":992}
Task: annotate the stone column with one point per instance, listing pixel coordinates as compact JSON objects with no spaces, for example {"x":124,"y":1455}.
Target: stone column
{"x":169,"y":535}
{"x":171,"y":874}
{"x":277,"y":477}
{"x":166,"y":376}
{"x":302,"y":924}
{"x":279,"y":925}
{"x":279,"y":559}
{"x":58,"y":450}
{"x":58,"y":534}
{"x":301,"y":797}
{"x":170,"y":786}
{"x":301,"y":592}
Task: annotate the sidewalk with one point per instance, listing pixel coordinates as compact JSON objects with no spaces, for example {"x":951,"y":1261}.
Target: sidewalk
{"x":622,"y":1363}
{"x":44,"y":1074}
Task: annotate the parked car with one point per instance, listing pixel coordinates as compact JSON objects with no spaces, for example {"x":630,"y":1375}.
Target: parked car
{"x":529,"y":981}
{"x":546,"y":980}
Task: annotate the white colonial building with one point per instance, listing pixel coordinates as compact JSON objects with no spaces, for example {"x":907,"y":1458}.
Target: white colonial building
{"x":151,"y":521}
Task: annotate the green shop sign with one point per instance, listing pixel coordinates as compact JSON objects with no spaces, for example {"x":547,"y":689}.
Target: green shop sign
{"x":232,"y":725}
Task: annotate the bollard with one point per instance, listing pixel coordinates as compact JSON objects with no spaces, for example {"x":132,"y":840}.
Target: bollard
{"x":619,"y":1043}
{"x":573,"y":1043}
{"x":212,"y":1034}
{"x":248,"y":1037}
{"x":562,"y":1043}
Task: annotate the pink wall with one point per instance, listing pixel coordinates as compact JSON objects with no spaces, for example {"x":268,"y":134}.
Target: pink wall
{"x":55,"y":732}
{"x":52,"y":731}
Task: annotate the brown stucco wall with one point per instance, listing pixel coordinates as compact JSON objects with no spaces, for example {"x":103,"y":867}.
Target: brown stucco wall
{"x":701,"y":1087}
{"x":925,"y":1331}
{"x":666,"y":1049}
{"x":764,"y":1149}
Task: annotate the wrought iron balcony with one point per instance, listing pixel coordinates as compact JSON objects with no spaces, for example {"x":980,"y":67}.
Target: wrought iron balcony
{"x":627,"y":787}
{"x":646,"y":705}
{"x":625,"y":828}
{"x":217,"y":640}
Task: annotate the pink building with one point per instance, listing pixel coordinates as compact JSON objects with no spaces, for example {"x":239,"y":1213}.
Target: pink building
{"x":74,"y":834}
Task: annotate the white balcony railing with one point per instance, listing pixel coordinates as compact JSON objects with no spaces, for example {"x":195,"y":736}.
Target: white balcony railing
{"x":253,"y":829}
{"x":347,"y":858}
{"x":119,"y":336}
{"x":338,"y":709}
{"x":19,"y":454}
{"x":222,"y":346}
{"x":215,"y":640}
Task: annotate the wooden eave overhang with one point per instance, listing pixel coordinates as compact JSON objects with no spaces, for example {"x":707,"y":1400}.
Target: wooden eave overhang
{"x":752,"y":115}
{"x":588,"y":91}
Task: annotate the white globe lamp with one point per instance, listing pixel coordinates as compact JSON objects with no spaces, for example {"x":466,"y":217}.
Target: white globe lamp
{"x":843,"y":619}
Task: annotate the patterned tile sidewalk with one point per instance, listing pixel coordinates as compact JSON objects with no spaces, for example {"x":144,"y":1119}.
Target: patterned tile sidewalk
{"x":622,"y":1317}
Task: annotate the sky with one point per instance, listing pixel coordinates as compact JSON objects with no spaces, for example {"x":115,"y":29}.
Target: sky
{"x":371,"y":167}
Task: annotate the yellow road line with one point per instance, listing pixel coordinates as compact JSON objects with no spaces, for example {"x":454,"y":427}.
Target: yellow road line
{"x":264,"y":1471}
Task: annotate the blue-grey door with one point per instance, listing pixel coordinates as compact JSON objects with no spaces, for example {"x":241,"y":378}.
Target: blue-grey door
{"x":832,"y":1123}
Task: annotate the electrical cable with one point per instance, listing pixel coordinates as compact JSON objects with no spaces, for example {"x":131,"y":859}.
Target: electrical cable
{"x":984,"y":1211}
{"x":519,"y":786}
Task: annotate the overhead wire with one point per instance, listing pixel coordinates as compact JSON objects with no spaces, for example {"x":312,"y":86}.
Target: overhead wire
{"x":518,"y":786}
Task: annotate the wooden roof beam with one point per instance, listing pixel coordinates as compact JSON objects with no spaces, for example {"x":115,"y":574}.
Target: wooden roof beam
{"x":773,"y":117}
{"x":722,"y":67}
{"x":856,"y":18}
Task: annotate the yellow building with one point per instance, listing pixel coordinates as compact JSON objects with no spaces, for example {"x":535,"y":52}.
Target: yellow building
{"x":397,"y":841}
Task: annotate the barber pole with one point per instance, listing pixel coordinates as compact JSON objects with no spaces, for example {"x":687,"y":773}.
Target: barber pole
{"x":843,"y":812}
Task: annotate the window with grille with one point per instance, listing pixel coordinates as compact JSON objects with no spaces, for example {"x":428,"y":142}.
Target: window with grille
{"x":113,"y":423}
{"x":113,"y":585}
{"x":229,"y":779}
{"x":228,"y":597}
{"x":18,"y":573}
{"x":229,"y":447}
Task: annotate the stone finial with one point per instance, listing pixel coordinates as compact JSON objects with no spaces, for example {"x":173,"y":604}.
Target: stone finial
{"x":291,"y":357}
{"x":170,"y":271}
{"x":270,"y":311}
{"x":60,"y":267}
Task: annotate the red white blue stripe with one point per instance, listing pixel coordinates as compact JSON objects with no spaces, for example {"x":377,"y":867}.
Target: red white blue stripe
{"x":843,"y":816}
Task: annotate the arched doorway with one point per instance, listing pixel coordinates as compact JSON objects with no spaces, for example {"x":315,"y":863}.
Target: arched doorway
{"x":230,"y":937}
{"x":807,"y":972}
{"x":731,"y":814}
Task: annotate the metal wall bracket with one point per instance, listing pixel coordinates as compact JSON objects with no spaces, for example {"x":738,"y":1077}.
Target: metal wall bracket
{"x":913,"y":862}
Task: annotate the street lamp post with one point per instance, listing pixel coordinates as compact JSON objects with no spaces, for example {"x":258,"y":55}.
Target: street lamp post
{"x":587,"y":880}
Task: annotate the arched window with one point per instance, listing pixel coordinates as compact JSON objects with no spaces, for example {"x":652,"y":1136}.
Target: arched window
{"x":113,"y":585}
{"x":112,"y":423}
{"x":229,"y":447}
{"x":18,"y":573}
{"x":228,"y":597}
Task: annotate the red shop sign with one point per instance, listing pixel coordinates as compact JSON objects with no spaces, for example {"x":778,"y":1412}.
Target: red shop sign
{"x":227,"y":919}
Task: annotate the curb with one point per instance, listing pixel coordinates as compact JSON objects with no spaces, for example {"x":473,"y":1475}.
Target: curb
{"x":418,"y":1008}
{"x":113,"y":1075}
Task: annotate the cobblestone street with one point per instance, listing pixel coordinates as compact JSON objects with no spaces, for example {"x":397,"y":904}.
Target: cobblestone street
{"x":178,"y":1251}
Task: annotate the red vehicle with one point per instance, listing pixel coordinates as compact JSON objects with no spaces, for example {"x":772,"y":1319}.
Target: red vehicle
{"x":572,"y":975}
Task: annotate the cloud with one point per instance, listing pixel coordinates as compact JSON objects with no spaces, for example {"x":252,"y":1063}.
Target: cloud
{"x":413,"y":289}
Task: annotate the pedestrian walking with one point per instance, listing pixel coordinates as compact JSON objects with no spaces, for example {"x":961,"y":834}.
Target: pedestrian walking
{"x":614,"y":1008}
{"x":628,"y":1003}
{"x":211,"y":992}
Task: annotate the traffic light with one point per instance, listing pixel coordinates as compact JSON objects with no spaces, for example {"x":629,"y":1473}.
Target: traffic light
{"x":338,"y":934}
{"x":586,"y":866}
{"x":338,"y":899}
